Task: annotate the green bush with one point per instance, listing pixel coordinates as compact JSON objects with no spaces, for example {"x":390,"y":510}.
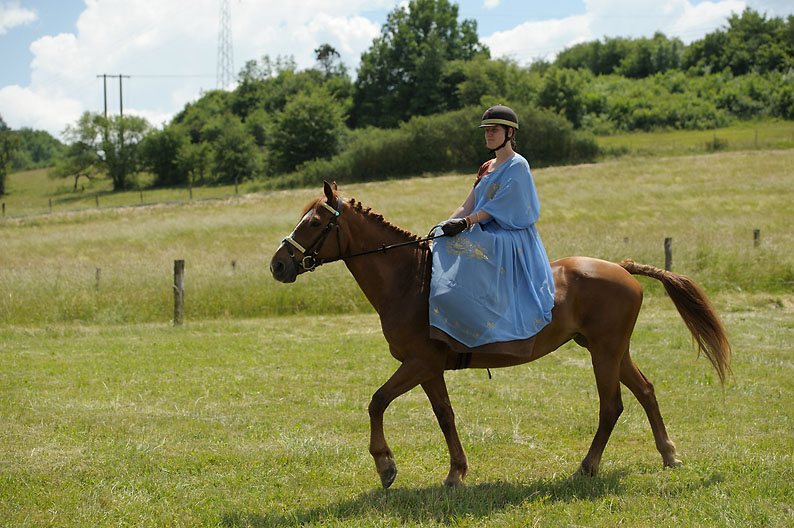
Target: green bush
{"x":443,"y":143}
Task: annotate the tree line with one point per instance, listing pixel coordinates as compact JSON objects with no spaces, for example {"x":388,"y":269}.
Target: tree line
{"x":419,"y":89}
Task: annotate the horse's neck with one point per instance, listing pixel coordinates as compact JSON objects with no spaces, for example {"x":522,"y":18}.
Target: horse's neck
{"x":385,"y":276}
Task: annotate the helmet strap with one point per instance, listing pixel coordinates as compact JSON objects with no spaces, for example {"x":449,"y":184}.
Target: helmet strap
{"x":507,"y":138}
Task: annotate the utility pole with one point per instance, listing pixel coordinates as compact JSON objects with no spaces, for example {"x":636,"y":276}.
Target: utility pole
{"x":105,"y":81}
{"x":121,"y":114}
{"x":104,"y":77}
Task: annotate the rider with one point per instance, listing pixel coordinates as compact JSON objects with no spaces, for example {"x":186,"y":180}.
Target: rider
{"x":491,"y":280}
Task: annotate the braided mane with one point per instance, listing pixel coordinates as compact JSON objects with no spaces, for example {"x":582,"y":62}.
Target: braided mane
{"x":368,"y":212}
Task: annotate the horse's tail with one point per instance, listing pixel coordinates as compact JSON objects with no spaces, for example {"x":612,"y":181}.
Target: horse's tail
{"x":699,"y":315}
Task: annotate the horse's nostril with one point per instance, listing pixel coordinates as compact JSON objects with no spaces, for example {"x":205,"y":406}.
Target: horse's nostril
{"x":276,"y":268}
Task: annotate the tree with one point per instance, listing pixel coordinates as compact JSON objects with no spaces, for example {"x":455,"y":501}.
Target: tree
{"x":9,"y":142}
{"x":401,"y":75}
{"x":562,"y":91}
{"x":647,"y":57}
{"x":79,"y":162}
{"x":159,"y":155}
{"x":309,"y":128}
{"x":37,"y":149}
{"x":112,"y":143}
{"x":327,"y":58}
{"x":751,"y":42}
{"x":194,"y":159}
{"x":234,"y":153}
{"x":484,"y":81}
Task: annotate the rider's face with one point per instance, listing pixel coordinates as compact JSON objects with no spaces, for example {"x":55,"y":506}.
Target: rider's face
{"x":494,"y":135}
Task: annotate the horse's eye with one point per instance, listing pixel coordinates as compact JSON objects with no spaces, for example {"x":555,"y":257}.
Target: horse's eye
{"x":314,"y":223}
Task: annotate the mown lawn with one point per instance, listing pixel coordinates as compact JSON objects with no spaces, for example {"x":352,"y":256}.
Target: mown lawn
{"x":263,"y":423}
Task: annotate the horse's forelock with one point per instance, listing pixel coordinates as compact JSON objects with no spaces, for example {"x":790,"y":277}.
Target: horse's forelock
{"x":311,"y":205}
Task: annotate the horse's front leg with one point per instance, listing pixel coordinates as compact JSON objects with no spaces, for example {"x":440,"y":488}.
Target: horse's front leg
{"x":409,"y":375}
{"x":436,"y":390}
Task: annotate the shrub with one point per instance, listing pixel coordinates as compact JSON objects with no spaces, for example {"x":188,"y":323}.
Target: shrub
{"x":442,"y":143}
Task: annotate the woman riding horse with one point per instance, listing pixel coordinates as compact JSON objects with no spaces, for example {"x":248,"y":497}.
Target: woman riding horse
{"x":491,"y":281}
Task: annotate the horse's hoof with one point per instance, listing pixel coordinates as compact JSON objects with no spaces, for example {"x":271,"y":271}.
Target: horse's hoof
{"x":449,"y":483}
{"x":388,"y":475}
{"x":583,"y":472}
{"x":673,"y":463}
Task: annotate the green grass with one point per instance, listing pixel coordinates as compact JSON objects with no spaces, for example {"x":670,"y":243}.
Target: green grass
{"x":761,"y":135}
{"x":35,"y":193}
{"x":264,"y":423}
{"x":709,"y":204}
{"x":254,"y":412}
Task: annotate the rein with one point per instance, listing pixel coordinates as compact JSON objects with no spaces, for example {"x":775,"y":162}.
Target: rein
{"x":310,"y":262}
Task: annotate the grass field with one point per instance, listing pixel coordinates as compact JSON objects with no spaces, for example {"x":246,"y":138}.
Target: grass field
{"x":254,"y":412}
{"x":263,"y":423}
{"x":34,"y":193}
{"x":762,"y":135}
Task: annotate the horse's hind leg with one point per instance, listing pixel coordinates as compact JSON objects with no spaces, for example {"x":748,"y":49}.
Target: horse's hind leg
{"x":436,"y":390}
{"x":606,"y":367}
{"x":635,"y":380}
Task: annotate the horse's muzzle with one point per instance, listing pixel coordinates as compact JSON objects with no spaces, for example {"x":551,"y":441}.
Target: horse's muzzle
{"x":283,"y":269}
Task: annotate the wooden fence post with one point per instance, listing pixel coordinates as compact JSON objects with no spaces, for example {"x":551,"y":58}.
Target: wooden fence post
{"x":179,"y":291}
{"x":97,"y":275}
{"x":668,"y":253}
{"x":50,"y":205}
{"x":96,"y":197}
{"x":756,"y":237}
{"x":4,"y":209}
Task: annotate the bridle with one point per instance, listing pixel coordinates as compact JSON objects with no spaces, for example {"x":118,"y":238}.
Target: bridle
{"x":310,"y":262}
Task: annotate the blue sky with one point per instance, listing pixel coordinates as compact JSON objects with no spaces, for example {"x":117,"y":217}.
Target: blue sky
{"x":51,"y":51}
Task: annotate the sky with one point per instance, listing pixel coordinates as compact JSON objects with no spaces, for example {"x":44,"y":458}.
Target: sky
{"x":54,"y":52}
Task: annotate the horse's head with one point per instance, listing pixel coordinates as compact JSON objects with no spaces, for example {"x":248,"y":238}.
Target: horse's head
{"x":306,"y":247}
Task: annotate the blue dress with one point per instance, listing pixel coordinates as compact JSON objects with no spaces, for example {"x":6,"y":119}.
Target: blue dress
{"x":492,"y":282}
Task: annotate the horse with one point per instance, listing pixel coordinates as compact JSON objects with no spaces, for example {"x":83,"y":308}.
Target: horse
{"x":596,"y":304}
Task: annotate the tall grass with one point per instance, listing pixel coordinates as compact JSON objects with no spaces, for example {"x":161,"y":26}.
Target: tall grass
{"x":708,"y":204}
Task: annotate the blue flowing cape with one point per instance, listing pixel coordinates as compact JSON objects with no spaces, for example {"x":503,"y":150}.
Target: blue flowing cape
{"x":492,"y":282}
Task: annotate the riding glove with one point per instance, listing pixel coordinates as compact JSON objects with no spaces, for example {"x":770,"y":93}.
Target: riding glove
{"x":453,"y":227}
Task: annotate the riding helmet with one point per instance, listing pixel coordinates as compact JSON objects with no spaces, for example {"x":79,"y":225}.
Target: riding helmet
{"x":499,"y":115}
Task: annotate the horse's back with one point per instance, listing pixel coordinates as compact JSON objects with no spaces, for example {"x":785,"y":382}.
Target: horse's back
{"x":593,"y":294}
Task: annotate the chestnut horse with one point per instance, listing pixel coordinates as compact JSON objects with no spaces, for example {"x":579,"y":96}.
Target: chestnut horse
{"x":596,"y":304}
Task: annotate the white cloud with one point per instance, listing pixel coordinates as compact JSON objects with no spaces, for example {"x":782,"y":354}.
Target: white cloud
{"x":538,"y":40}
{"x":490,"y":4}
{"x":169,"y":48}
{"x":613,"y":18}
{"x":12,"y":15}
{"x":31,"y":109}
{"x":690,"y":25}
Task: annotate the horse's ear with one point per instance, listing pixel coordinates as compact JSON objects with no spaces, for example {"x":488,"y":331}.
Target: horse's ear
{"x":330,"y":190}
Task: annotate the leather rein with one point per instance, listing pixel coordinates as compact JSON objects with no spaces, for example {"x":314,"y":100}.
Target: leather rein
{"x":310,"y":262}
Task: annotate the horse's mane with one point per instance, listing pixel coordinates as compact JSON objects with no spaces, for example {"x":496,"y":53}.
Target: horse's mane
{"x":368,"y":212}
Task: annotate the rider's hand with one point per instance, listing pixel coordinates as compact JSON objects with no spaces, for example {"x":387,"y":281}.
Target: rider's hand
{"x":453,"y":227}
